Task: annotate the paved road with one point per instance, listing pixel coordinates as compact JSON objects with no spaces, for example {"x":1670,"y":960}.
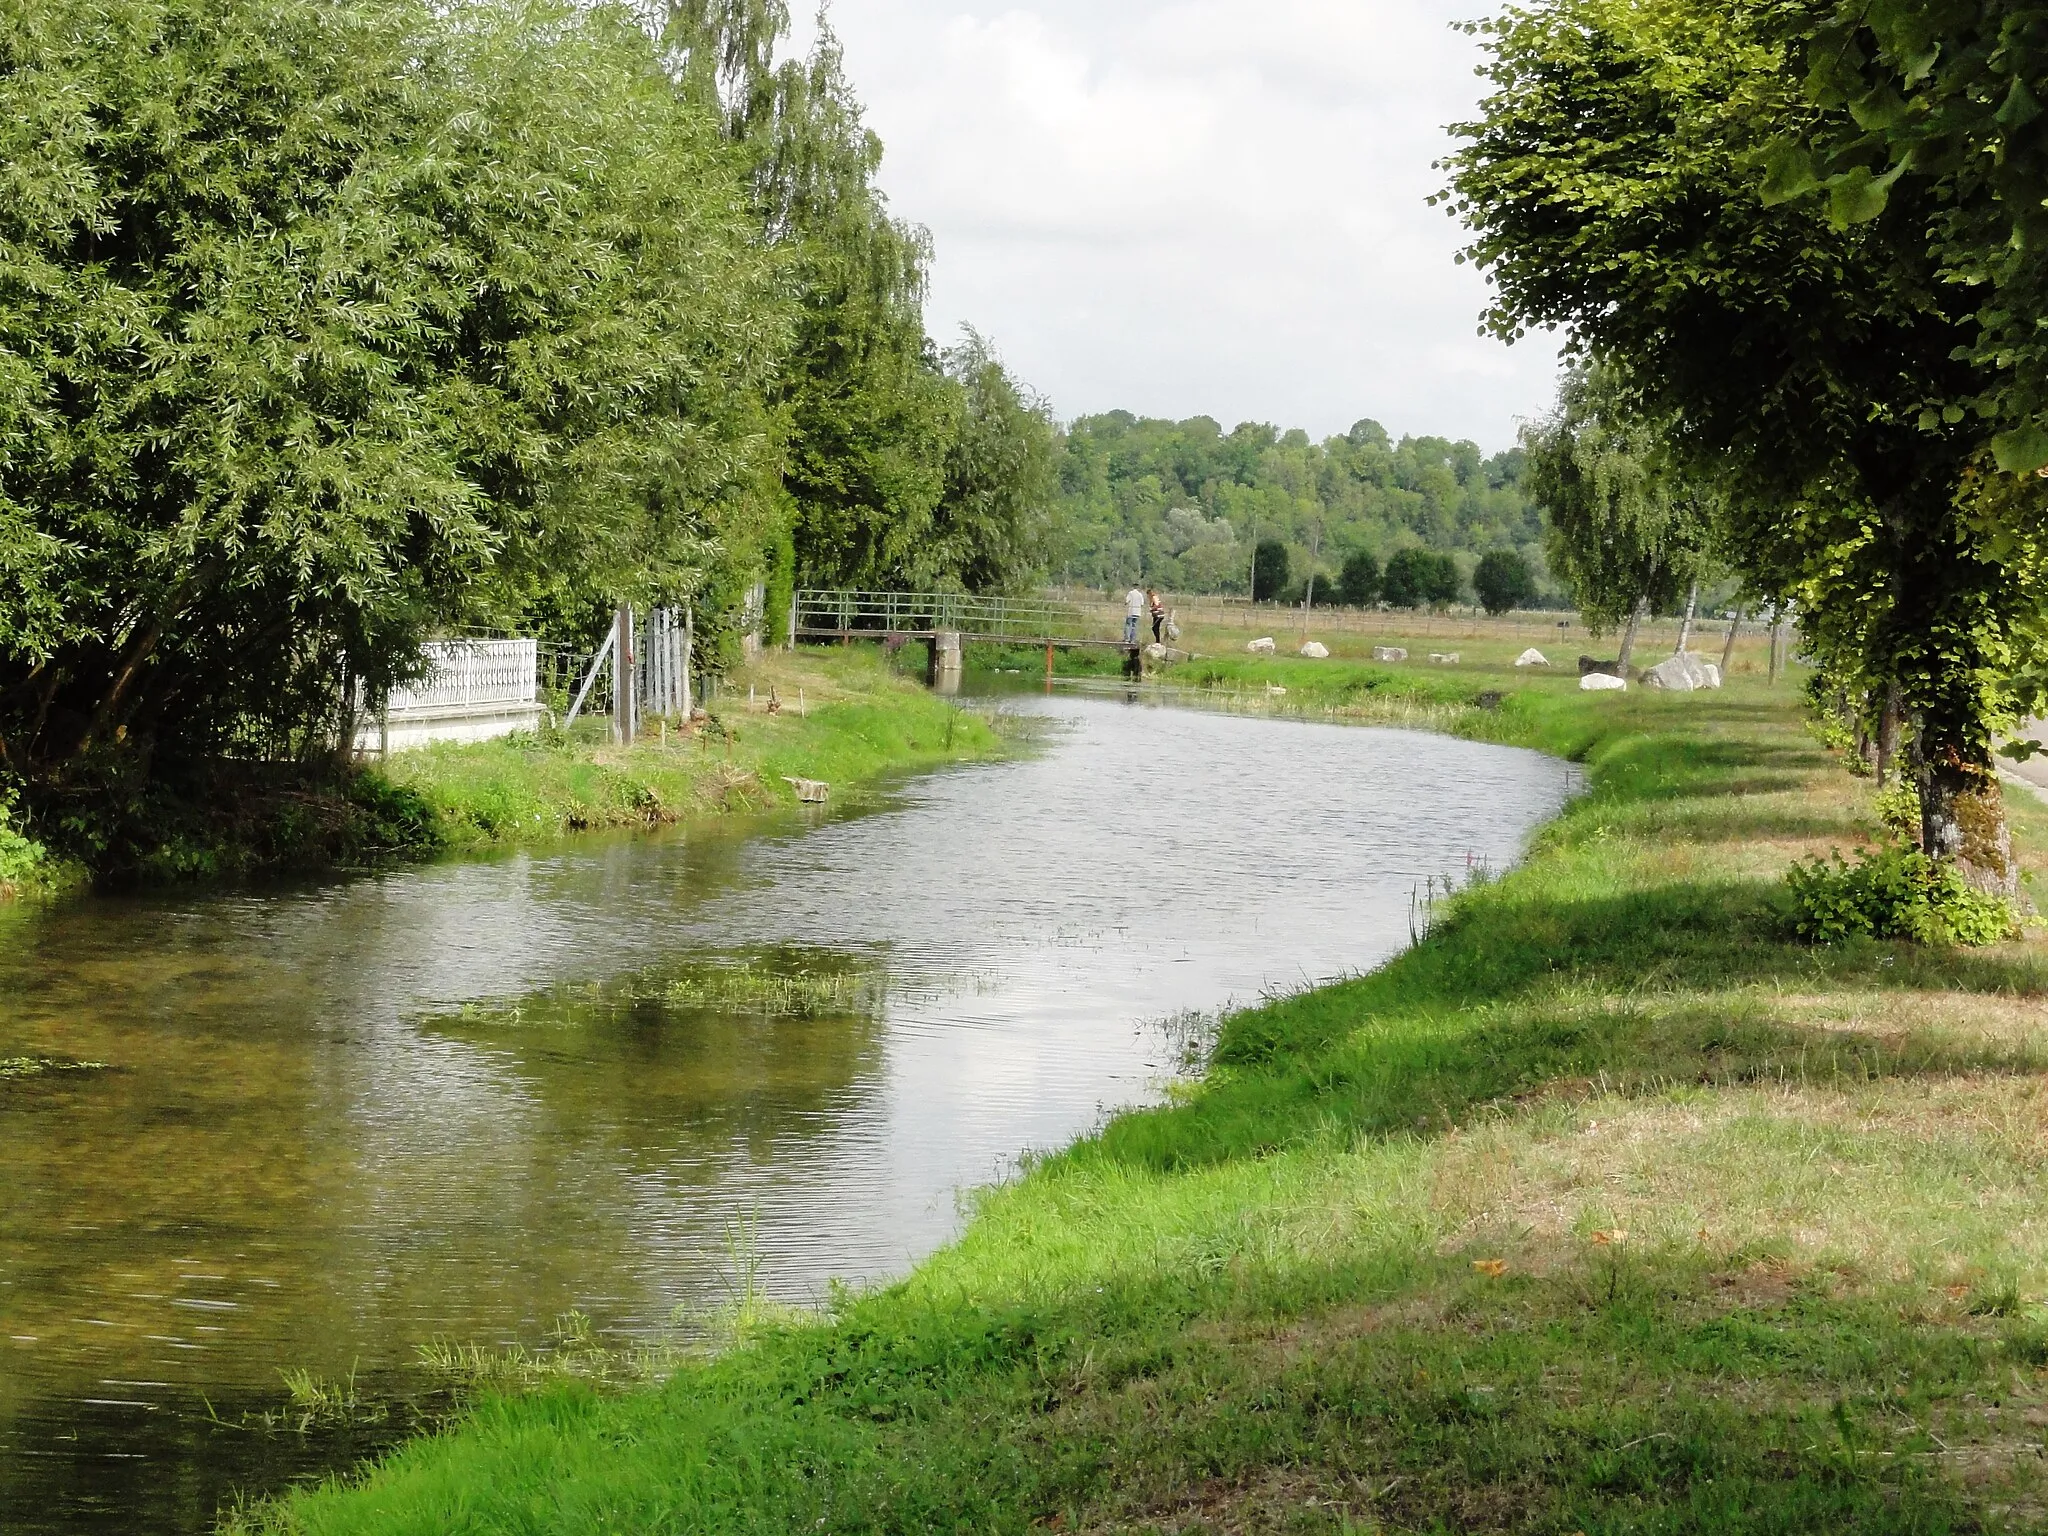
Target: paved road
{"x":2035,"y":769}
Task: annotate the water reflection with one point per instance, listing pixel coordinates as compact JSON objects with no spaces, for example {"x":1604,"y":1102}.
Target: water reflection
{"x":455,"y":1102}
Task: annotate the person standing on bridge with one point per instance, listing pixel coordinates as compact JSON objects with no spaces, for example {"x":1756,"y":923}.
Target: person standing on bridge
{"x":1134,"y":604}
{"x":1157,"y":604}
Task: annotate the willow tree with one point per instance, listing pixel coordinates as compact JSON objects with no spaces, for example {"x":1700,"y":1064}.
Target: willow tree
{"x":323,"y":319}
{"x":1623,"y":528}
{"x":1626,"y":183}
{"x":866,"y":413}
{"x":993,"y":527}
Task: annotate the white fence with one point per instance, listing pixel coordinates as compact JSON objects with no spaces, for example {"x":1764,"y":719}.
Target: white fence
{"x":662,"y":653}
{"x":475,"y":690}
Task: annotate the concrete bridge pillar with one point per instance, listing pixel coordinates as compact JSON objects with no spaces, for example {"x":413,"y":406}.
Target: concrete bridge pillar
{"x":945,"y":661}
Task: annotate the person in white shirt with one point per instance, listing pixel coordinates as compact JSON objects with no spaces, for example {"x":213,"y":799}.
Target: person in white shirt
{"x":1134,"y":604}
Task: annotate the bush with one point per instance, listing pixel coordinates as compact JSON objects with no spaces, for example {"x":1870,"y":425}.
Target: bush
{"x":21,"y":857}
{"x":1898,"y":808}
{"x":1892,"y":891}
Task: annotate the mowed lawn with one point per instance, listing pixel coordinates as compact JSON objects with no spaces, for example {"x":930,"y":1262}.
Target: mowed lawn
{"x":1606,"y":1208}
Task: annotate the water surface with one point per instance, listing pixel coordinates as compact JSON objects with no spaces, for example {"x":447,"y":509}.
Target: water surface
{"x":455,"y":1102}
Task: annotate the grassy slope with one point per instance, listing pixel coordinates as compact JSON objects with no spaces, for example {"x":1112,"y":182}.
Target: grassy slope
{"x":1604,"y":1209}
{"x":858,"y":720}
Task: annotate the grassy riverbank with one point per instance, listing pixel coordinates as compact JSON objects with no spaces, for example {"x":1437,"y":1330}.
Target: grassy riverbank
{"x":1605,"y":1208}
{"x":842,"y":716}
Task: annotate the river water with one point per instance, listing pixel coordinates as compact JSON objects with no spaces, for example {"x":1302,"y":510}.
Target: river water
{"x":454,"y":1103}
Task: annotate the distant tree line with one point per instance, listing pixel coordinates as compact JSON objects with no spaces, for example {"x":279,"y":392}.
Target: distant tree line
{"x":1188,"y":506}
{"x":329,"y":325}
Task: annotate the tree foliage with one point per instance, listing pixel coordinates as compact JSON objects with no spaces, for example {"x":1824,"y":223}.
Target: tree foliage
{"x":993,"y":525}
{"x":1420,"y":578}
{"x":1940,"y":103}
{"x":324,"y":322}
{"x":874,"y":423}
{"x":1502,"y":581}
{"x":1624,"y":528}
{"x":1628,"y":183}
{"x":1181,"y":503}
{"x":1269,"y":570}
{"x":1358,"y":584}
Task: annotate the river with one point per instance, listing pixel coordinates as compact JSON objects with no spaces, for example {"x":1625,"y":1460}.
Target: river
{"x":343,"y":1119}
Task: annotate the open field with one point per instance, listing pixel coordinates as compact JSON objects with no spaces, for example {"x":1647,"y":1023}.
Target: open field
{"x":1225,"y":624}
{"x":1605,"y":1208}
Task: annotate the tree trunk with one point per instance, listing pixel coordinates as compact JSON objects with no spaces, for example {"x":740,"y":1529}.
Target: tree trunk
{"x":1728,"y":645}
{"x":1692,"y":603}
{"x":1888,"y":735}
{"x":1628,"y":636}
{"x":1962,"y":818}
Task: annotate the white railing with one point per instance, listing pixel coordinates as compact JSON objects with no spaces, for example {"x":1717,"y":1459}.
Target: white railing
{"x":471,"y":674}
{"x":473,"y":690}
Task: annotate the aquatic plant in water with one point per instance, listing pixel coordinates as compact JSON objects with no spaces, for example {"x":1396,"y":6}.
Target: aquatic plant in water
{"x":783,"y":982}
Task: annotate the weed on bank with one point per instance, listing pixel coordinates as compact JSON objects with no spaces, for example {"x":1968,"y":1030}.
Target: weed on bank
{"x":1610,"y":1206}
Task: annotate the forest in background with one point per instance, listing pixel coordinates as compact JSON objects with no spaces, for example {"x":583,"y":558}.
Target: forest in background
{"x":1180,"y":504}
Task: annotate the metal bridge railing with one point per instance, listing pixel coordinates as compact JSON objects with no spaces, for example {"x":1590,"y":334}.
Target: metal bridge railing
{"x":844,"y":612}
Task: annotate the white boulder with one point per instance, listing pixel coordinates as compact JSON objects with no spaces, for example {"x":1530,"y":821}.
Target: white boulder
{"x":1682,"y":674}
{"x":1447,"y":658}
{"x":1602,"y":682}
{"x":1532,"y":658}
{"x":1263,"y":646}
{"x":1389,"y":653}
{"x":1314,"y":649}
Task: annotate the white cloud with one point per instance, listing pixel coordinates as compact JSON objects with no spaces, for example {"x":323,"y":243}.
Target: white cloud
{"x":1197,"y":206}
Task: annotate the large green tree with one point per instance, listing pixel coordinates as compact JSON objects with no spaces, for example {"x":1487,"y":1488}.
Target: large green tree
{"x":322,"y":321}
{"x":1811,"y":358}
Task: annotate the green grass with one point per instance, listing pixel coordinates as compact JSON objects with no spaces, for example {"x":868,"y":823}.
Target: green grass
{"x":858,"y":720}
{"x":1606,"y":1208}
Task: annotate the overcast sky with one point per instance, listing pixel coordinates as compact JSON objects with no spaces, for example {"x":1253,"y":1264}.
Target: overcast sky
{"x":1185,"y":207}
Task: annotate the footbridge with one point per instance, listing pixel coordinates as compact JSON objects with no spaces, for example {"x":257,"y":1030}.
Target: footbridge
{"x":946,"y":620}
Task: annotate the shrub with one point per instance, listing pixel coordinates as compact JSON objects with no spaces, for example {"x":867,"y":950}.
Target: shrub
{"x":21,"y":857}
{"x":1892,"y":891}
{"x":1898,"y":808}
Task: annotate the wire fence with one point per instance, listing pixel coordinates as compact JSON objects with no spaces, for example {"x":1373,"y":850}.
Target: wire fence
{"x":1534,"y":625}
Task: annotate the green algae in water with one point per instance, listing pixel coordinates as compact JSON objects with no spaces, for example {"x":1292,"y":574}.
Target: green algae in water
{"x":786,"y":982}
